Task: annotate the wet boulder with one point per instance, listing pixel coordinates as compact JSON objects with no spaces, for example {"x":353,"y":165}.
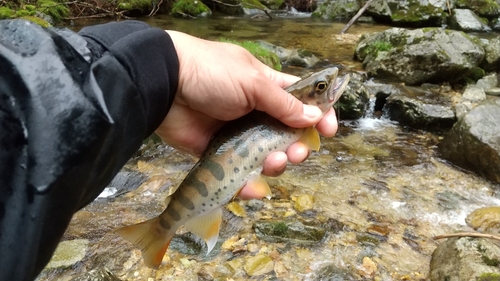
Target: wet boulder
{"x":467,"y":20}
{"x":465,"y":258}
{"x":421,"y":55}
{"x":474,"y":141}
{"x":485,"y":220}
{"x":413,"y":13}
{"x":353,"y":104}
{"x":421,"y":108}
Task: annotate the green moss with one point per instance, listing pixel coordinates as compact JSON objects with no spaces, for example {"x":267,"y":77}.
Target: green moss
{"x":190,"y":7}
{"x":489,"y":277}
{"x":268,"y":58}
{"x":6,"y":13}
{"x":37,"y":20}
{"x":280,"y":228}
{"x":57,"y":11}
{"x":133,"y":5}
{"x":253,"y":4}
{"x":24,"y":13}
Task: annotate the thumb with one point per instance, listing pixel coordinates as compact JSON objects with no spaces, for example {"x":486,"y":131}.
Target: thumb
{"x":278,"y":103}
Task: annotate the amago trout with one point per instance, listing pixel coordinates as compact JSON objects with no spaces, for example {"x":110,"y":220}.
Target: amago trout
{"x":234,"y":157}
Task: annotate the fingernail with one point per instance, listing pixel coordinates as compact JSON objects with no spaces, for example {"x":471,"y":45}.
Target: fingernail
{"x":312,"y":111}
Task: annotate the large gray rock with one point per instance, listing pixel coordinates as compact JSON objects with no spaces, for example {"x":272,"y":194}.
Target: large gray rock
{"x":474,"y":141}
{"x":465,"y":258}
{"x":421,"y":55}
{"x":420,"y":108}
{"x":492,"y":54}
{"x":411,"y":12}
{"x":336,"y":9}
{"x":467,"y":20}
{"x":353,"y":104}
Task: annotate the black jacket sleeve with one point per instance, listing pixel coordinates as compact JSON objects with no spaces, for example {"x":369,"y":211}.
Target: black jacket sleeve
{"x":73,"y":109}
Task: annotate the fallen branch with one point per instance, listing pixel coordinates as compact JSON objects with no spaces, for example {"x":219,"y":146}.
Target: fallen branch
{"x":360,"y":12}
{"x":105,"y":13}
{"x":467,"y":234}
{"x":155,"y":9}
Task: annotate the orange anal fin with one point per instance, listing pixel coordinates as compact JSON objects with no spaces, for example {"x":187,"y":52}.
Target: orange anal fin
{"x":256,"y":188}
{"x":207,"y":227}
{"x":311,"y":139}
{"x":150,"y":238}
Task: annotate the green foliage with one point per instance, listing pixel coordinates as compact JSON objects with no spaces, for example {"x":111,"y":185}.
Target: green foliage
{"x":57,"y":11}
{"x":190,"y":7}
{"x":6,"y":13}
{"x":378,"y":46}
{"x":268,"y":58}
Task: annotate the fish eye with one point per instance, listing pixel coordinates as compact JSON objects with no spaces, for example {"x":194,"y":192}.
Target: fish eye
{"x":320,"y":86}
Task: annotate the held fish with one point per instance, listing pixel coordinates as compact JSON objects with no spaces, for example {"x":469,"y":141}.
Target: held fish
{"x":234,"y":157}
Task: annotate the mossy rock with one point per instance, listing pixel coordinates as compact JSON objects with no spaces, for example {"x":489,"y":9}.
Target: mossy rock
{"x":480,"y":7}
{"x":268,"y":58}
{"x":253,"y":4}
{"x":193,"y":8}
{"x":135,"y":5}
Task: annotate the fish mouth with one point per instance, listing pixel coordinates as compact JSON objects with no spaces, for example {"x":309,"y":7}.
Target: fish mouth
{"x":338,"y":88}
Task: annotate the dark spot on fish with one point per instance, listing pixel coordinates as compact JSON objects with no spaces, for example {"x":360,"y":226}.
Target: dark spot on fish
{"x":231,"y":180}
{"x":225,"y":187}
{"x":212,"y":200}
{"x":251,"y":166}
{"x":244,"y":167}
{"x":211,"y":205}
{"x":164,"y":224}
{"x":270,"y":149}
{"x":203,"y":204}
{"x":261,"y":149}
{"x":215,"y":169}
{"x":218,"y":190}
{"x":173,"y":214}
{"x":230,"y":161}
{"x":236,"y":170}
{"x":198,"y":185}
{"x":185,"y":202}
{"x":242,"y":150}
{"x":256,"y":159}
{"x":275,"y":147}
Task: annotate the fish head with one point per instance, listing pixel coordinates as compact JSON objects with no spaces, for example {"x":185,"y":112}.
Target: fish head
{"x":322,"y":88}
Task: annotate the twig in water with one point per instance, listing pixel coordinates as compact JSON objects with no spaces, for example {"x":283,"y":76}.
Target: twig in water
{"x":467,"y":234}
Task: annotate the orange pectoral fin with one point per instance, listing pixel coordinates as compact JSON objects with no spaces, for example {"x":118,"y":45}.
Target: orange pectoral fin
{"x":311,"y":139}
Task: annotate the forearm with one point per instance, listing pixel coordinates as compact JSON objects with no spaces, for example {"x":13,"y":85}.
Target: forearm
{"x":69,"y":120}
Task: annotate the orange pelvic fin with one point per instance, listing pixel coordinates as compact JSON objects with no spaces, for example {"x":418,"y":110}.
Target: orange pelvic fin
{"x":206,"y":227}
{"x":150,"y":238}
{"x":311,"y":139}
{"x":256,"y":188}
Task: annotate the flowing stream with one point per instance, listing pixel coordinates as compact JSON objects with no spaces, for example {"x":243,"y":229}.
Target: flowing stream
{"x":384,"y":187}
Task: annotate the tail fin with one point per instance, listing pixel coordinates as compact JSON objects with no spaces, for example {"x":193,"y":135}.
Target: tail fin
{"x":150,"y":238}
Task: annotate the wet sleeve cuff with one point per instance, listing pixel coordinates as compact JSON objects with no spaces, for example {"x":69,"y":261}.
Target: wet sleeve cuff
{"x":148,"y":54}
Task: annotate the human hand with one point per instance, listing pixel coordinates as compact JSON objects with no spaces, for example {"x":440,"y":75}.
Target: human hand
{"x":219,"y":82}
